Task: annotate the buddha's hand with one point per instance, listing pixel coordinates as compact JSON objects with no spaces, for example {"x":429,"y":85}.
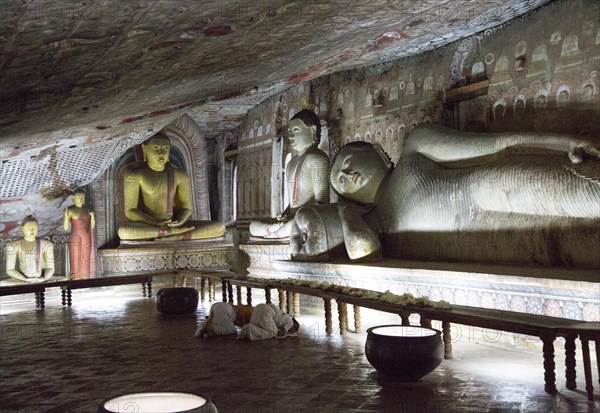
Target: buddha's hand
{"x":179,"y":225}
{"x":282,"y":217}
{"x":579,"y":148}
{"x":164,"y":223}
{"x":175,"y":223}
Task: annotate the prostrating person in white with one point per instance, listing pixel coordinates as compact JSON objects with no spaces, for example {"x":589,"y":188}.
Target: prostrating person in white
{"x":268,"y":321}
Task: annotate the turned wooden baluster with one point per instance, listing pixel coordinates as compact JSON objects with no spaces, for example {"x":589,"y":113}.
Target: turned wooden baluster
{"x":346,"y":315}
{"x":68,"y":294}
{"x":63,"y":295}
{"x":238,"y":293}
{"x":549,"y":365}
{"x":343,"y":316}
{"x":289,"y":304}
{"x":281,"y":299}
{"x":211,"y":290}
{"x":40,"y":299}
{"x":268,"y":295}
{"x":357,"y":324}
{"x":447,"y":337}
{"x":296,"y":304}
{"x":328,"y":318}
{"x":587,"y":368}
{"x":249,"y":296}
{"x":405,"y":317}
{"x":570,"y":363}
{"x":150,"y":288}
{"x":425,"y":322}
{"x":202,"y":288}
{"x":224,"y":290}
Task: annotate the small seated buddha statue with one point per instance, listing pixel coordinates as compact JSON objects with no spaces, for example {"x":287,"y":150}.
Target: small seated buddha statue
{"x":30,"y":259}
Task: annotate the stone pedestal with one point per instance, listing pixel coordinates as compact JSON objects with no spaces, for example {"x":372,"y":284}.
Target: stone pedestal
{"x":132,"y":258}
{"x":560,"y":292}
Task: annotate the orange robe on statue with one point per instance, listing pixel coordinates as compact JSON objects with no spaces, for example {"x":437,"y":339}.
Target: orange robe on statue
{"x":81,"y":247}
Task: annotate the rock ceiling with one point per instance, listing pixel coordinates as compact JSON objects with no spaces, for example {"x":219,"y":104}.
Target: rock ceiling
{"x":88,"y":71}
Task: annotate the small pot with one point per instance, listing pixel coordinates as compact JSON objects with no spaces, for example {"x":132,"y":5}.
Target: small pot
{"x":404,"y":353}
{"x":158,"y":402}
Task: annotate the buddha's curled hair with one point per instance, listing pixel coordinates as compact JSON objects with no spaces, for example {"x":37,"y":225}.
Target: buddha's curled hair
{"x":310,"y":118}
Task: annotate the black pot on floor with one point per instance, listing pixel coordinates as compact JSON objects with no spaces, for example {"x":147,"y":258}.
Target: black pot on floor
{"x":404,"y":353}
{"x":158,"y":402}
{"x":177,"y":300}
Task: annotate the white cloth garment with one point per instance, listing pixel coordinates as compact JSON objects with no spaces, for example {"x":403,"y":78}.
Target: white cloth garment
{"x":222,"y":318}
{"x":266,"y":320}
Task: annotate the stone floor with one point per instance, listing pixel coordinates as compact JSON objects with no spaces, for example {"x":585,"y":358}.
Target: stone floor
{"x":112,"y":341}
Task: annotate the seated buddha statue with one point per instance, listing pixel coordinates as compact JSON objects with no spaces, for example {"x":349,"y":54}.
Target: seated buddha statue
{"x":30,"y":259}
{"x":157,"y":200}
{"x":305,"y":175}
{"x":510,"y":198}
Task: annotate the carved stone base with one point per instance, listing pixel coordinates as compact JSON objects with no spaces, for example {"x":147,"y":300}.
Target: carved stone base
{"x":164,"y":257}
{"x":559,"y":292}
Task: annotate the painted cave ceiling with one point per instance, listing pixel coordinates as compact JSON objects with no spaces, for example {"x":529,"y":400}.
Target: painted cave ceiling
{"x":91,"y":72}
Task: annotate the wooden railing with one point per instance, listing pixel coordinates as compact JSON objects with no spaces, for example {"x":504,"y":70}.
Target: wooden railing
{"x":545,"y":327}
{"x":146,"y":279}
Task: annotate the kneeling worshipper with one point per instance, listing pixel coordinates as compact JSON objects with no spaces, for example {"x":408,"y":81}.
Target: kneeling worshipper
{"x":268,"y":321}
{"x":258,"y":323}
{"x":223,"y":319}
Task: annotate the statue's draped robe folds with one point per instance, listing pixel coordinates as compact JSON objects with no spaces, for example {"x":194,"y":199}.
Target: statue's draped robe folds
{"x":31,"y":259}
{"x":306,"y":178}
{"x":454,"y":197}
{"x":82,"y":252}
{"x":305,"y":175}
{"x":163,"y":196}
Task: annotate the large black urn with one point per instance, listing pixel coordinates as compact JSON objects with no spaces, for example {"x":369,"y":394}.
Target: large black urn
{"x":177,"y":300}
{"x":404,"y":353}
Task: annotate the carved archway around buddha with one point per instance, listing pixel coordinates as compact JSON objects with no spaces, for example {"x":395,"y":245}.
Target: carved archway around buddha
{"x":187,"y":138}
{"x":187,"y":132}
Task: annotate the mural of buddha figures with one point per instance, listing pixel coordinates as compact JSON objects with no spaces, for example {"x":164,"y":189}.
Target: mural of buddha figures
{"x":306,"y":175}
{"x":158,"y":201}
{"x":507,"y":198}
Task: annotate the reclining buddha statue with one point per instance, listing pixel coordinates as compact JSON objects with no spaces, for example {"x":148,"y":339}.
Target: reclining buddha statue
{"x":508,"y":198}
